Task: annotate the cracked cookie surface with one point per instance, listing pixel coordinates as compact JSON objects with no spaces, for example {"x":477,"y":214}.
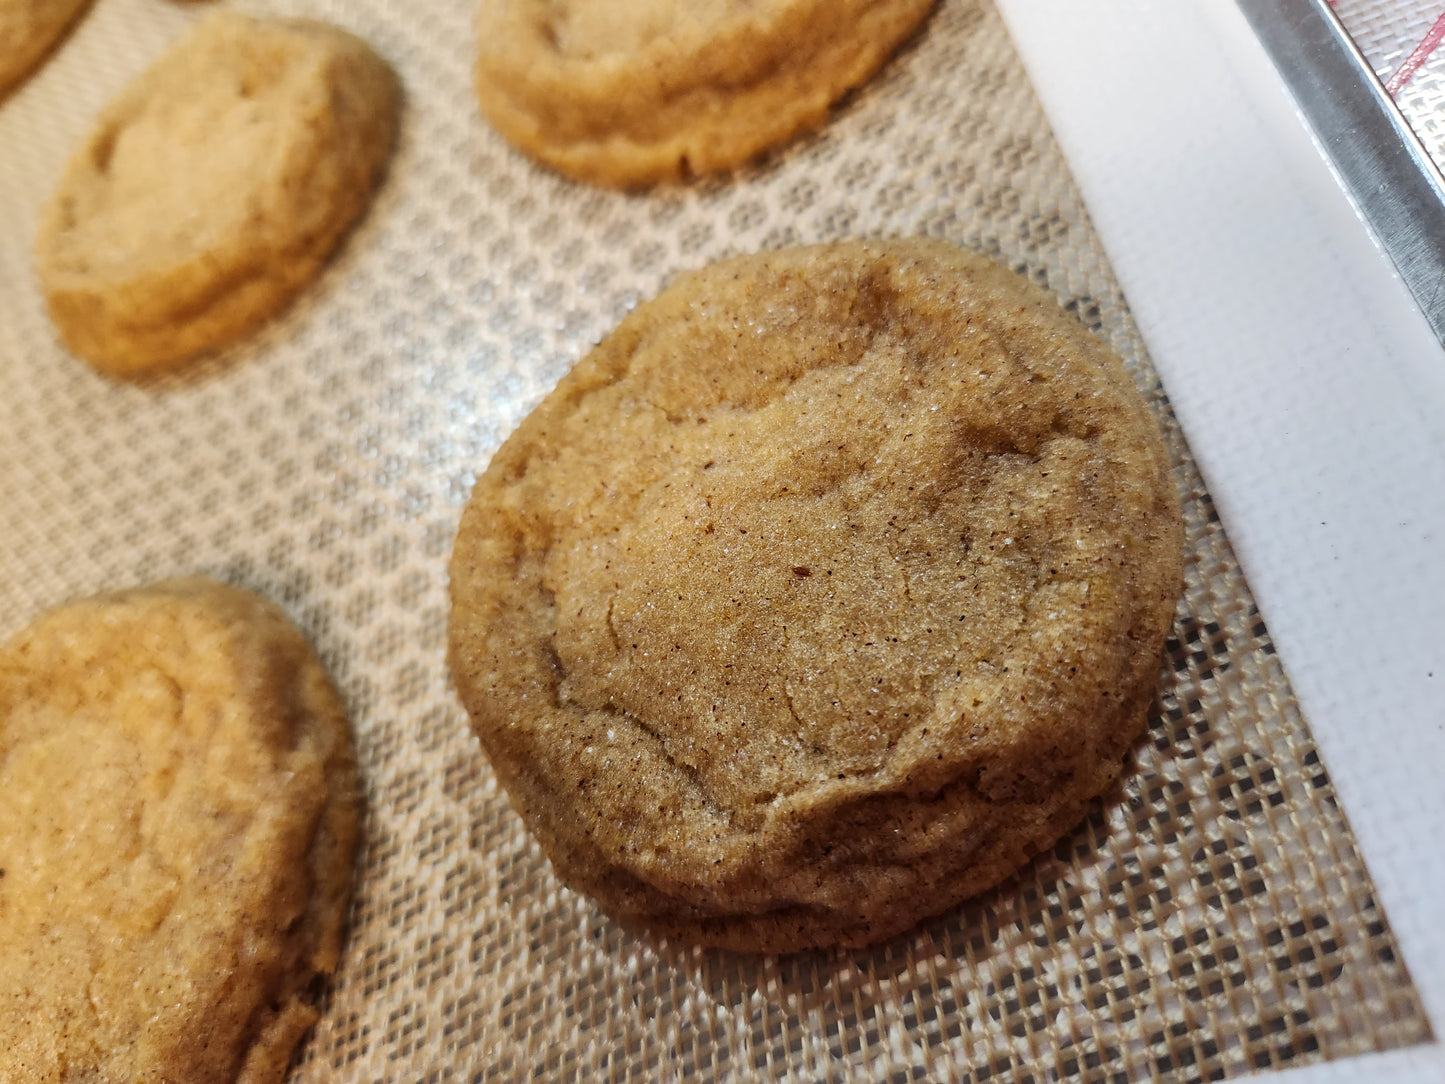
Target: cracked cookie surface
{"x":213,"y":189}
{"x":819,"y":596}
{"x":178,"y":824}
{"x":629,"y":92}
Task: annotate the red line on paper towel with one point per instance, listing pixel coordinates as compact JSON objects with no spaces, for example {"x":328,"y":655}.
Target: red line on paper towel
{"x":1416,"y":59}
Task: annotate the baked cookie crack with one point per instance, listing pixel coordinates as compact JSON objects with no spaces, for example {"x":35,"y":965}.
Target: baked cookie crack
{"x":632,"y":93}
{"x":213,"y":189}
{"x":178,"y":815}
{"x":860,"y":556}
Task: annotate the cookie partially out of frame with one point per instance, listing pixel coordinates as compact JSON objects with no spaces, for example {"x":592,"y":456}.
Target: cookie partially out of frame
{"x":213,"y":189}
{"x":28,"y":30}
{"x":822,"y":594}
{"x":178,"y":824}
{"x":628,"y":92}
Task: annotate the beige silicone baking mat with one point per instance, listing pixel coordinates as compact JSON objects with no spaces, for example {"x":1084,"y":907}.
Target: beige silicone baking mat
{"x":1211,"y":918}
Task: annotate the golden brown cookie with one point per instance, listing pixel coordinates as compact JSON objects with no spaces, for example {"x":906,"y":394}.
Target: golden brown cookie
{"x":821,"y":595}
{"x":178,"y":823}
{"x":28,"y":30}
{"x":628,"y":92}
{"x":213,"y":189}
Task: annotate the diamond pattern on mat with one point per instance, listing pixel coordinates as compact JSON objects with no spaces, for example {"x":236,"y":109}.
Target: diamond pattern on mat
{"x":1210,"y":918}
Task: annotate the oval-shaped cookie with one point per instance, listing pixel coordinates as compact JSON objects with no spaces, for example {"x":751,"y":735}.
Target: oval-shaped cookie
{"x":823,"y":593}
{"x":178,"y":823}
{"x":213,"y":189}
{"x":628,"y":92}
{"x":28,"y":29}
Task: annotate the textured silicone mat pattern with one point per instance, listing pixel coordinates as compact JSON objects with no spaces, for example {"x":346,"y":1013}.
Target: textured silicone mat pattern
{"x":1389,"y":32}
{"x":1210,"y":919}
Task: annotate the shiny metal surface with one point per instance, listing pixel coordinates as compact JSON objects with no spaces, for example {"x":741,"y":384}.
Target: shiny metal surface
{"x":1376,"y":155}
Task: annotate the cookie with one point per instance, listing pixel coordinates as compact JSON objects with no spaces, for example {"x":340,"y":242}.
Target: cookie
{"x":28,"y":30}
{"x":178,"y":823}
{"x":822,"y":594}
{"x":213,"y":189}
{"x":623,"y":93}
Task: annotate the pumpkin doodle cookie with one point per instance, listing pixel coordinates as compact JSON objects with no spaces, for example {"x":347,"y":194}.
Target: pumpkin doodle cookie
{"x":28,"y":30}
{"x":628,"y":92}
{"x":213,"y":189}
{"x":823,"y":593}
{"x":178,"y":822}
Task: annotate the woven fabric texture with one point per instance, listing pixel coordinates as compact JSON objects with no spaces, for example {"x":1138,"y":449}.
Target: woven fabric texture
{"x":1388,"y":33}
{"x":1212,"y":917}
